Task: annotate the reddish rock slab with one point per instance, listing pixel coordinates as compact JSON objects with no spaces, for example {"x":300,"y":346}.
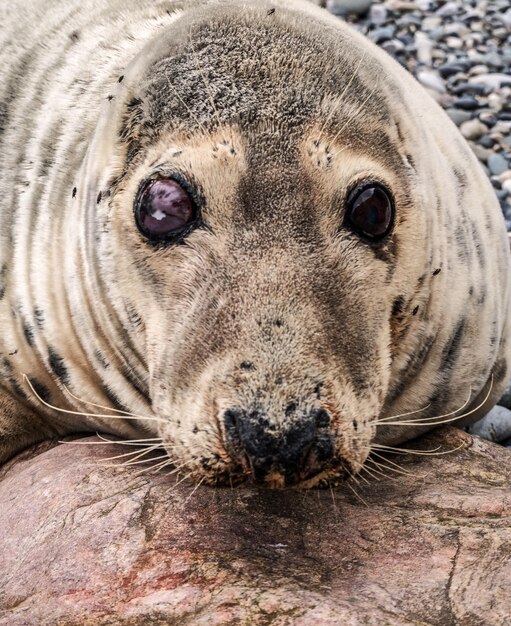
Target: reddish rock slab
{"x":83,"y":544}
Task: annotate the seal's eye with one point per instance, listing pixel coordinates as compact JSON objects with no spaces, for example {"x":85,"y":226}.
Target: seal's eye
{"x":370,"y":211}
{"x":164,"y":210}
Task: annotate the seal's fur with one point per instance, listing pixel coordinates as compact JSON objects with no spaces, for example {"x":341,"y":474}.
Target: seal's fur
{"x":274,"y":309}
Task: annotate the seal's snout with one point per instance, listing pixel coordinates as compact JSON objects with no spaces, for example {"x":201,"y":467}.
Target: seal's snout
{"x":278,"y":453}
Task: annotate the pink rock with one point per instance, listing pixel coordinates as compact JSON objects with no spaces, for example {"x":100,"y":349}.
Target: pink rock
{"x":88,"y":545}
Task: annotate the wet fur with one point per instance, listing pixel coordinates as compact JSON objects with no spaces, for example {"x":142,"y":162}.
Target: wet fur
{"x":271,"y":118}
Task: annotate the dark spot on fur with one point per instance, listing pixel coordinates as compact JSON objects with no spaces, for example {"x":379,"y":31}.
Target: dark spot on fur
{"x":471,"y":290}
{"x":98,"y":199}
{"x":437,"y":271}
{"x":73,"y":195}
{"x":112,"y":397}
{"x":317,"y":390}
{"x":136,"y":383}
{"x":355,"y":425}
{"x":279,"y":380}
{"x":290,"y":409}
{"x":41,"y":390}
{"x":74,"y":36}
{"x":101,"y":358}
{"x":398,"y":306}
{"x":58,"y":366}
{"x":271,"y":12}
{"x":248,"y":366}
{"x":500,"y":370}
{"x":28,"y":331}
{"x":195,"y":429}
{"x":110,"y":98}
{"x":278,"y":323}
{"x":175,"y":155}
{"x":39,"y":317}
{"x":452,"y":347}
{"x":416,"y":310}
{"x":120,"y":79}
{"x":13,"y":353}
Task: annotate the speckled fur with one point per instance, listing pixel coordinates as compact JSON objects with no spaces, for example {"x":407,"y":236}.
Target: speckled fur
{"x":271,"y":117}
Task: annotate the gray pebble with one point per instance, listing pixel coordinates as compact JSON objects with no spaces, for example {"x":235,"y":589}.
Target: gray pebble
{"x":431,"y":80}
{"x":473,"y":129}
{"x":344,"y":7}
{"x":497,"y":164}
{"x":506,"y":398}
{"x":458,"y":116}
{"x":495,"y":426}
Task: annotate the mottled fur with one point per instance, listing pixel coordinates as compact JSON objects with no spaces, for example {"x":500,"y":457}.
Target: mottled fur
{"x":273,"y":305}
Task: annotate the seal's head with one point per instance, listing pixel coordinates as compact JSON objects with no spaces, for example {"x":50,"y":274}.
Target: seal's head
{"x":271,"y":219}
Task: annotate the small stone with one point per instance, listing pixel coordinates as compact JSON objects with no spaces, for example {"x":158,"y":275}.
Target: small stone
{"x":481,"y":153}
{"x":486,"y":142}
{"x":473,"y":129}
{"x":424,"y":47}
{"x":454,"y":43}
{"x":467,"y":103}
{"x":345,"y":7}
{"x":495,"y":426}
{"x":380,"y":35}
{"x":494,"y":80}
{"x":477,"y":70}
{"x":495,"y":101}
{"x":431,"y":80}
{"x":458,"y":116}
{"x":506,"y":185}
{"x":448,"y":9}
{"x":378,"y":14}
{"x":449,"y":69}
{"x":497,"y":164}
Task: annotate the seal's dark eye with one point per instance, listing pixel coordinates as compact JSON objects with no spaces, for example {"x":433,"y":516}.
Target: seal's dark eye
{"x":370,"y":211}
{"x":164,"y":210}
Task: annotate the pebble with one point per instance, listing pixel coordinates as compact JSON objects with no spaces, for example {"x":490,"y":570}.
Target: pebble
{"x":467,"y":103}
{"x":497,"y":164}
{"x":458,"y":116}
{"x":431,"y":80}
{"x":345,"y":7}
{"x":473,"y":129}
{"x":495,"y":426}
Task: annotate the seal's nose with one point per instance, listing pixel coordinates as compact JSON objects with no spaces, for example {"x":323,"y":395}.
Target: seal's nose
{"x":293,"y":451}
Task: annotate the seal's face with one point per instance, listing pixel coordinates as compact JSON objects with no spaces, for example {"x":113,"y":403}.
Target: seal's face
{"x":253,"y":236}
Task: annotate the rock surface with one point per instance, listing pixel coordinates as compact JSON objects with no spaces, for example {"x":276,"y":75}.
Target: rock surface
{"x":88,"y":545}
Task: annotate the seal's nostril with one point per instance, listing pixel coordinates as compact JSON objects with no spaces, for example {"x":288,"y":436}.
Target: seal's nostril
{"x":322,"y":418}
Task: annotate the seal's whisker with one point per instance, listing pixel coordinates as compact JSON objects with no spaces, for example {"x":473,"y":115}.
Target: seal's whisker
{"x":101,"y":416}
{"x":418,"y":452}
{"x":195,"y":489}
{"x":354,"y":115}
{"x":427,"y":421}
{"x":357,"y":495}
{"x":152,"y":460}
{"x":159,"y":466}
{"x":391,"y":417}
{"x":371,"y":473}
{"x":99,"y":406}
{"x":190,"y":112}
{"x":437,"y":420}
{"x":340,"y":98}
{"x":135,"y":454}
{"x":380,"y":467}
{"x":129,"y":442}
{"x":392,"y":466}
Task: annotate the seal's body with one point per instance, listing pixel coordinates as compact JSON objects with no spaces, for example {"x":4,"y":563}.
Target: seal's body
{"x":245,"y":221}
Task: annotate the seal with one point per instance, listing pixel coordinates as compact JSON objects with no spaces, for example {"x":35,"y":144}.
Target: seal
{"x":245,"y":231}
